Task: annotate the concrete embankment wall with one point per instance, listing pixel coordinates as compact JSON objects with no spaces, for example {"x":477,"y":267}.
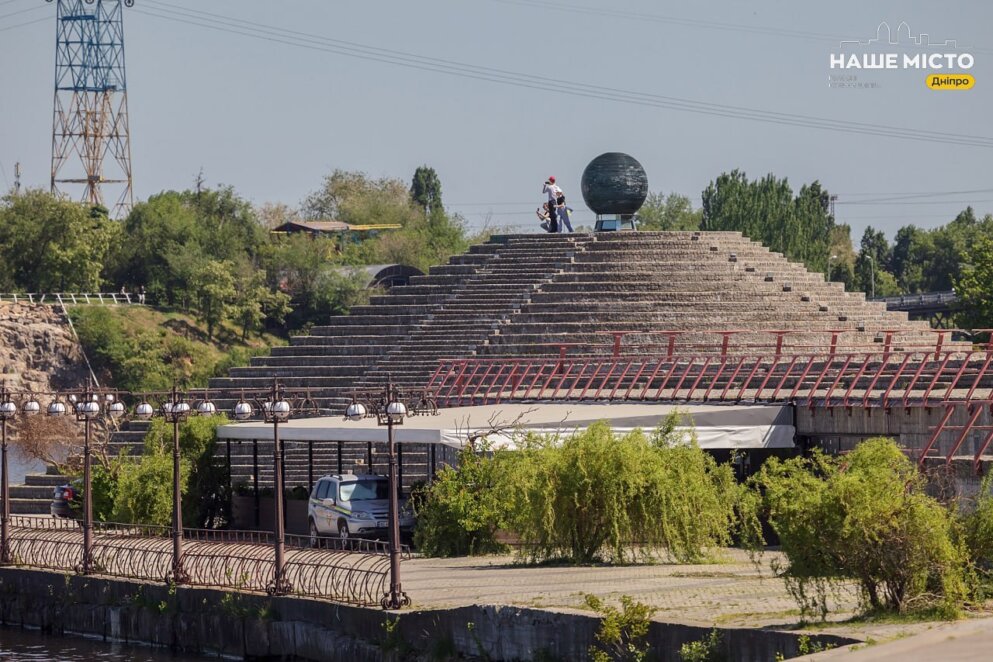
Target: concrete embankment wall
{"x":220,"y":623}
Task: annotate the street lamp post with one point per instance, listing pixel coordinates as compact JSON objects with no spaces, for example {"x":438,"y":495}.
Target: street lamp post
{"x":8,"y":411}
{"x":389,"y":409}
{"x":275,"y":409}
{"x":872,"y":275}
{"x":175,"y":409}
{"x":87,"y":406}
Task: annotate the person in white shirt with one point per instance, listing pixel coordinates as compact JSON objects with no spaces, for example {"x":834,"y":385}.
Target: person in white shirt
{"x":553,"y":194}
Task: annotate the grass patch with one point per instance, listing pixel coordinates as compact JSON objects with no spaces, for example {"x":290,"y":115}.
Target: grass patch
{"x":145,"y":349}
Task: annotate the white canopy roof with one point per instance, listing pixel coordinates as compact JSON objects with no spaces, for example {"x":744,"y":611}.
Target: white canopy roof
{"x":716,"y":426}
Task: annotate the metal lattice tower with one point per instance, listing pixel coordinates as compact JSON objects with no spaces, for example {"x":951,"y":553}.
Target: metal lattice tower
{"x":91,"y":136}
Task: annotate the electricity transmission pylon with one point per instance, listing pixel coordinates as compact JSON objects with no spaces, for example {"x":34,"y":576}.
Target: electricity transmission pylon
{"x":91,"y":135}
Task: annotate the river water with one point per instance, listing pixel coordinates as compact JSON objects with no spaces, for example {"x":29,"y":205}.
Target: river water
{"x":32,"y":646}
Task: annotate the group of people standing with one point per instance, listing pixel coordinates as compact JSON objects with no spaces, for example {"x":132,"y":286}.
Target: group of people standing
{"x":554,"y":214}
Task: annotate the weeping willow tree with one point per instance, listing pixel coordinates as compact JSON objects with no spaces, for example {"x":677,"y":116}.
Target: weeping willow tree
{"x":595,"y":496}
{"x":604,"y":496}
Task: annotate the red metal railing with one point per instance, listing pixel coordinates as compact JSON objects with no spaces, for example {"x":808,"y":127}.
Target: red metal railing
{"x":790,"y":367}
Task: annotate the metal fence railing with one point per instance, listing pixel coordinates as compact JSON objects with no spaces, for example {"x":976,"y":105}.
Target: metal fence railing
{"x":74,"y":298}
{"x":350,"y":571}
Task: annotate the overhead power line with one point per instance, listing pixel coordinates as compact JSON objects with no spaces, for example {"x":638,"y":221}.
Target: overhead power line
{"x":898,"y":199}
{"x":218,"y":22}
{"x":894,"y":203}
{"x":22,"y":11}
{"x":643,"y":17}
{"x":21,"y":25}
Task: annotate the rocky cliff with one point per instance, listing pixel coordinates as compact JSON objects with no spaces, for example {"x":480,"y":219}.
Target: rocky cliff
{"x":38,"y":351}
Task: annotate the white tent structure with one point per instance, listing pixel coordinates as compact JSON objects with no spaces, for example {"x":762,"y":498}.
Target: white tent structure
{"x":717,"y":427}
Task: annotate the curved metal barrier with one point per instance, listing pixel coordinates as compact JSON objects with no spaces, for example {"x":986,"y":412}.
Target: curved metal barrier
{"x":351,"y":571}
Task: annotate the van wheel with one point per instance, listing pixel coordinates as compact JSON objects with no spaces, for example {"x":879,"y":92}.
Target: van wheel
{"x":314,"y":534}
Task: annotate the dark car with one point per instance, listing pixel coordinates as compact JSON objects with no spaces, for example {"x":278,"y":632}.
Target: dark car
{"x":62,"y":501}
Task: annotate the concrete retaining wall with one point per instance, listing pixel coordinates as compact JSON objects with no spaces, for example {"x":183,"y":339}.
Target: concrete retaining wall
{"x":213,"y":622}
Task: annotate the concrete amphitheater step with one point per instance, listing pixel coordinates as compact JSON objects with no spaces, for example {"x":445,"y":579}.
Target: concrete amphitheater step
{"x":45,"y":479}
{"x":42,"y":492}
{"x":31,"y":506}
{"x":521,"y":294}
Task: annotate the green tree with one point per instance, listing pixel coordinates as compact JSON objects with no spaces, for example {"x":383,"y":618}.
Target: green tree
{"x":596,"y":493}
{"x":143,"y":491}
{"x":668,"y":212}
{"x":169,"y":238}
{"x":766,"y":210}
{"x":842,"y":259}
{"x":426,"y":235}
{"x":425,"y":190}
{"x":50,"y":244}
{"x":214,"y":285}
{"x":975,"y":286}
{"x":872,"y":274}
{"x":353,"y":197}
{"x":254,"y":302}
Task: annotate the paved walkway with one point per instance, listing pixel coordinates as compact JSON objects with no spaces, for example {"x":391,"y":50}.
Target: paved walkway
{"x":949,"y":642}
{"x":735,"y":592}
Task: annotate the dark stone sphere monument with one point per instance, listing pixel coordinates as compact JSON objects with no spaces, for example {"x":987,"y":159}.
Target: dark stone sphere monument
{"x":614,"y":186}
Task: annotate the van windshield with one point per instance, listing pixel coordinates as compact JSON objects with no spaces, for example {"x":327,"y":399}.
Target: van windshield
{"x":364,"y":490}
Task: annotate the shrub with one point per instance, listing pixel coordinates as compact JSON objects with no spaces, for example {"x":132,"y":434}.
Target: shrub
{"x":205,"y":489}
{"x":138,"y":489}
{"x":708,"y":649}
{"x":863,"y":517}
{"x":598,"y":493}
{"x":977,"y":529}
{"x":622,"y":631}
{"x":460,"y":512}
{"x":144,"y":489}
{"x":591,"y":496}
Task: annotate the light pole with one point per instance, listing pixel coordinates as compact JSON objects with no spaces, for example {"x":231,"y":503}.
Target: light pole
{"x":9,"y":411}
{"x":87,"y":406}
{"x":275,"y":409}
{"x":175,"y":409}
{"x":872,"y":275}
{"x":387,"y":405}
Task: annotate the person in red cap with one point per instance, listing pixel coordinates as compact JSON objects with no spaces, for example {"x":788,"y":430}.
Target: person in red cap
{"x":553,"y":192}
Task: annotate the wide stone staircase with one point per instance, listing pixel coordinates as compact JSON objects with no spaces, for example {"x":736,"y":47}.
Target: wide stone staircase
{"x":652,"y":284}
{"x":530,"y":295}
{"x":477,"y":309}
{"x":34,"y":497}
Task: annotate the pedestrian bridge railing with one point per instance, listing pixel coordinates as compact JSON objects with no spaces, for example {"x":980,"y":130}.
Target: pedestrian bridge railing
{"x":74,"y":298}
{"x":350,"y":571}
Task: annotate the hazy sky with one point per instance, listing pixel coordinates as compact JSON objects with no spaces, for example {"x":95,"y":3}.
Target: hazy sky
{"x":274,"y":112}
